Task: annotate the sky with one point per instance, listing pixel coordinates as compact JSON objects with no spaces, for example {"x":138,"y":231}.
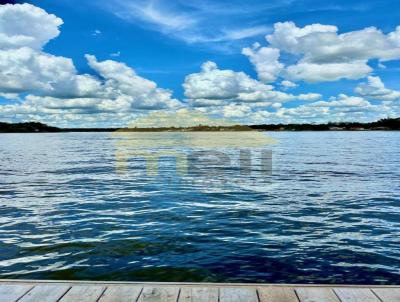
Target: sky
{"x":109,"y":63}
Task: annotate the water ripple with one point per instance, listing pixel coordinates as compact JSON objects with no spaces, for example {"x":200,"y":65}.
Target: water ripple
{"x":330,"y":213}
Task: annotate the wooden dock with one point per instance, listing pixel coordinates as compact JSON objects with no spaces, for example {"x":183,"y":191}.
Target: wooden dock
{"x":82,"y":291}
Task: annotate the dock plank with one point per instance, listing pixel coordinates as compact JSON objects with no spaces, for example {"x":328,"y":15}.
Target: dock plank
{"x":12,"y":292}
{"x":98,"y":291}
{"x":159,"y":294}
{"x":121,"y":293}
{"x":83,"y":293}
{"x":231,"y":294}
{"x":387,"y":294}
{"x":45,"y":293}
{"x":277,"y":294}
{"x":347,"y":294}
{"x":316,"y":294}
{"x":198,"y":294}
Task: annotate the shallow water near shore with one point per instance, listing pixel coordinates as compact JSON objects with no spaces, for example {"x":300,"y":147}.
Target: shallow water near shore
{"x":329,"y":212}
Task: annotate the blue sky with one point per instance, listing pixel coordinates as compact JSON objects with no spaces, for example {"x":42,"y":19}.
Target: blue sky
{"x":321,"y":63}
{"x":159,"y":53}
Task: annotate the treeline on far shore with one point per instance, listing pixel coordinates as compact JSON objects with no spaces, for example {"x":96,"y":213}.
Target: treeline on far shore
{"x":383,"y":124}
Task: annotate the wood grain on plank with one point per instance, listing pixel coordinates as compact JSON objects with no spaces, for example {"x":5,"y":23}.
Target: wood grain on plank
{"x":316,"y":294}
{"x":45,"y":293}
{"x":83,"y":293}
{"x":121,"y":293}
{"x":388,"y":294}
{"x":159,"y":294}
{"x":348,"y":294}
{"x":230,"y":294}
{"x":277,"y":294}
{"x":12,"y":292}
{"x":198,"y":294}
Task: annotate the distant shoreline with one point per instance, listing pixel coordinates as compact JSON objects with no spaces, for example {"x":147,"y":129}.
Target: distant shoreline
{"x":381,"y":125}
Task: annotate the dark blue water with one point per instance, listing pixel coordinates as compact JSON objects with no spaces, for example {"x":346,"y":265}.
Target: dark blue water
{"x":329,"y":213}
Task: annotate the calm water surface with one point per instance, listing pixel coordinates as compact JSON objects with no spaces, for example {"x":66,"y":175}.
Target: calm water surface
{"x":329,"y":213}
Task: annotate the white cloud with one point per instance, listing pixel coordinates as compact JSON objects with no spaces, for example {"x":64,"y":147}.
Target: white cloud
{"x":24,"y":30}
{"x":217,"y":87}
{"x":343,"y":101}
{"x":287,"y":36}
{"x":120,"y":91}
{"x":26,"y":25}
{"x":337,"y":109}
{"x":288,"y":84}
{"x":375,"y":89}
{"x":312,"y":72}
{"x":122,"y":81}
{"x":52,"y":85}
{"x":119,"y":74}
{"x":9,"y":96}
{"x":395,"y":36}
{"x":227,"y":85}
{"x":265,"y":61}
{"x":309,"y":97}
{"x":324,"y":55}
{"x":25,"y":69}
{"x":321,"y":43}
{"x":236,"y":110}
{"x":213,"y":83}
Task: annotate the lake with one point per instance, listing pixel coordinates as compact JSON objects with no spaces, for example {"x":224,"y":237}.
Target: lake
{"x":100,"y":206}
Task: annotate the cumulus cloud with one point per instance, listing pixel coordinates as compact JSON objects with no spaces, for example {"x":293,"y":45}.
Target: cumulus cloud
{"x":375,"y":89}
{"x":337,"y":109}
{"x":236,"y":110}
{"x":216,"y":84}
{"x":321,"y":43}
{"x":312,"y":72}
{"x":51,"y":84}
{"x":119,"y":76}
{"x":25,"y":69}
{"x":308,"y":96}
{"x":394,"y":36}
{"x":119,"y":90}
{"x":265,"y":60}
{"x":343,"y":101}
{"x":213,"y":86}
{"x":286,"y":35}
{"x":324,"y":55}
{"x":26,"y":25}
